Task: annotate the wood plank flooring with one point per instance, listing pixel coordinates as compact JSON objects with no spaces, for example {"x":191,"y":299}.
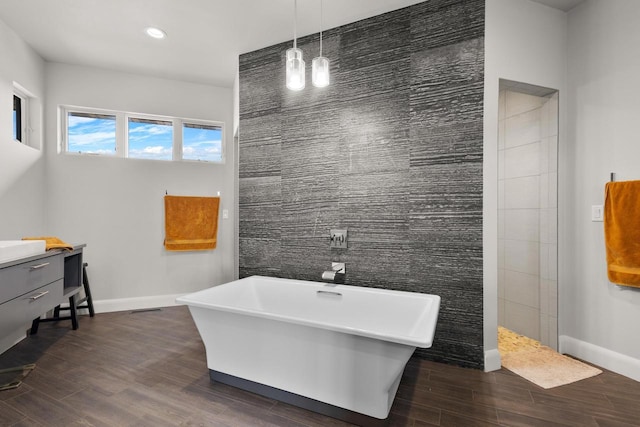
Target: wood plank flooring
{"x":149,"y":369}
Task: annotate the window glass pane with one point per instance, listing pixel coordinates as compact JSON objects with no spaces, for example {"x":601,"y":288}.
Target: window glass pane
{"x":150,"y":139}
{"x":91,"y":133}
{"x":17,"y":118}
{"x":201,"y":142}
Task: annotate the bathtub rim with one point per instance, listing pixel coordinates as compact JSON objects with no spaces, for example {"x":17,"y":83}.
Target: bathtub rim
{"x":422,"y":342}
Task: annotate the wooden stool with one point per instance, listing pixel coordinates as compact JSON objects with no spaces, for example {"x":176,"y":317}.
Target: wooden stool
{"x":74,"y":305}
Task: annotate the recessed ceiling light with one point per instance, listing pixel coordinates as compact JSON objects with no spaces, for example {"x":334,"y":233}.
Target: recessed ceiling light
{"x":156,"y":33}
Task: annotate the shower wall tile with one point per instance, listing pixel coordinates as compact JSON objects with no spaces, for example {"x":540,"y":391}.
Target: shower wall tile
{"x":391,"y":150}
{"x":501,"y":134}
{"x":553,"y":298}
{"x":522,"y":319}
{"x":553,"y":332}
{"x":522,"y":256}
{"x":553,"y":153}
{"x":553,"y":190}
{"x":522,"y":193}
{"x":544,"y":155}
{"x":522,"y":129}
{"x":553,"y":261}
{"x":550,"y":124}
{"x":544,"y":191}
{"x":522,"y":224}
{"x":544,"y":261}
{"x":544,"y":226}
{"x":544,"y":329}
{"x":523,"y":160}
{"x":523,"y":288}
{"x":553,"y":224}
{"x":517,"y":103}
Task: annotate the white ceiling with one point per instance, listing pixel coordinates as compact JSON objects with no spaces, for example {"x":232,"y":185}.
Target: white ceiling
{"x":204,"y":39}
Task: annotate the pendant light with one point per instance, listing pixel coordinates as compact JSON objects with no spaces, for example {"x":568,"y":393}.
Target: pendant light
{"x":295,"y":63}
{"x":320,"y":65}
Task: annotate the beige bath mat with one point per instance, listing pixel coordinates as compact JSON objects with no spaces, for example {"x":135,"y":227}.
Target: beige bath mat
{"x":540,"y":364}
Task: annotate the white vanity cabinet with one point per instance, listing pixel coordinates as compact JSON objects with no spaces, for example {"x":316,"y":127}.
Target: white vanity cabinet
{"x":29,"y":287}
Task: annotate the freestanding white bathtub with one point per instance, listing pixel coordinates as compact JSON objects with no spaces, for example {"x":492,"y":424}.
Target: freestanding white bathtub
{"x":314,"y":345}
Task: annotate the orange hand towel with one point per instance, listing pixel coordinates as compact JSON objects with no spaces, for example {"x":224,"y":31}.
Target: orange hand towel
{"x":191,"y":223}
{"x":622,"y":232}
{"x":51,"y":242}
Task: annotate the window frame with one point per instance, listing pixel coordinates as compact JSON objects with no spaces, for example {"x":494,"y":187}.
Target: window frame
{"x":64,"y":135}
{"x":201,"y":123}
{"x":122,"y":133}
{"x":22,"y":117}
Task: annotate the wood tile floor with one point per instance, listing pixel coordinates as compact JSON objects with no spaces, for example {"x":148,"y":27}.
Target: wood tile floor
{"x":149,"y":369}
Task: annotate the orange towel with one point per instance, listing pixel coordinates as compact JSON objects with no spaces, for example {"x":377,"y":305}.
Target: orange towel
{"x":190,"y":223}
{"x":52,"y":242}
{"x":622,"y":232}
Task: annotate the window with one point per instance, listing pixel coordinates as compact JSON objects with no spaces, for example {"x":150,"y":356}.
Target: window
{"x":140,"y":136}
{"x":18,"y":118}
{"x":150,"y":139}
{"x":91,"y":133}
{"x":201,"y":142}
{"x":26,"y":117}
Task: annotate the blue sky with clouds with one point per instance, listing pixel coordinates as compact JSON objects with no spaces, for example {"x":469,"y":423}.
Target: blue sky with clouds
{"x":147,"y":140}
{"x":150,"y":140}
{"x":92,"y":135}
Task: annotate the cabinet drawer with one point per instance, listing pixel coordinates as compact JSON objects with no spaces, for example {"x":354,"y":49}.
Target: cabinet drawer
{"x":20,"y":311}
{"x":22,"y":278}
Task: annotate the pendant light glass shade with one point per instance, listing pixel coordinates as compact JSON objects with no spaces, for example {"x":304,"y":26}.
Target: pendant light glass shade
{"x":320,"y":65}
{"x":295,"y":63}
{"x":320,"y":71}
{"x":295,"y":69}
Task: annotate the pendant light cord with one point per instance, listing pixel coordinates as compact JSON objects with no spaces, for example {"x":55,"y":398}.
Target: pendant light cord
{"x":295,"y":18}
{"x":320,"y":27}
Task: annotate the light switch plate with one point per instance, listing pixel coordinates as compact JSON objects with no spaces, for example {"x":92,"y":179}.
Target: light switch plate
{"x":597,"y":213}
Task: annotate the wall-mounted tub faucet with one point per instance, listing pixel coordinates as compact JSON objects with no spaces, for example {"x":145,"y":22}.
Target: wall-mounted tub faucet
{"x":336,"y":274}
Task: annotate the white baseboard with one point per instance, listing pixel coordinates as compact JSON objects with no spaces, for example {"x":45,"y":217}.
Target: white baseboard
{"x":492,"y":361}
{"x":138,"y":303}
{"x":608,"y":359}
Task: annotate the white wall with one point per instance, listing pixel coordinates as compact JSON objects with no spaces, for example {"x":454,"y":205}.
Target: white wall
{"x":526,"y":42}
{"x":21,"y":167}
{"x":115,"y":205}
{"x":599,"y":319}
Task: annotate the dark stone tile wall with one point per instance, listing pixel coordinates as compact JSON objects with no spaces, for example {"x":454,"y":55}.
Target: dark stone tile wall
{"x":391,"y":150}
